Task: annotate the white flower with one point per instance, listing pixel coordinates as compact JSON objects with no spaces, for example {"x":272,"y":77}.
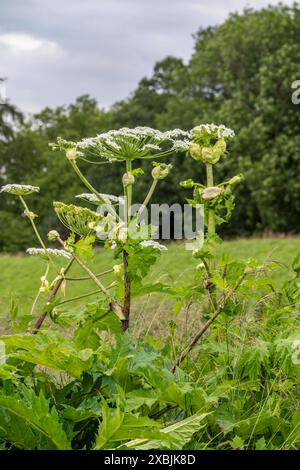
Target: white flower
{"x":153,"y":244}
{"x":214,"y":130}
{"x":151,"y":147}
{"x":180,"y":145}
{"x":128,"y":144}
{"x":177,"y":133}
{"x":19,"y":189}
{"x":50,"y":251}
{"x":90,"y":197}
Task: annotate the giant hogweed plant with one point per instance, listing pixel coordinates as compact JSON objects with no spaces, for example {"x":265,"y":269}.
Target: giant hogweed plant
{"x":223,"y":285}
{"x":93,"y":388}
{"x":123,"y":231}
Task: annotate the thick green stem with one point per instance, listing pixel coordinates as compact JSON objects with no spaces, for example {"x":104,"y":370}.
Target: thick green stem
{"x":127,"y":283}
{"x":39,"y":292}
{"x":114,"y":306}
{"x":86,"y":278}
{"x":27,"y":212}
{"x":148,"y":197}
{"x":128,"y":195}
{"x":93,"y":190}
{"x":82,"y":296}
{"x":53,"y":293}
{"x":211,"y":226}
{"x":205,"y":327}
{"x":91,"y":275}
{"x":129,"y":190}
{"x":211,"y":230}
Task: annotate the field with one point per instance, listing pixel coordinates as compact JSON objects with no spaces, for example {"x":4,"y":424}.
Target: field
{"x":20,"y":275}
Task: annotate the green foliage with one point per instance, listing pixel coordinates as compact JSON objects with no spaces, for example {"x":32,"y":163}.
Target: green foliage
{"x":108,"y":402}
{"x":231,"y":380}
{"x":27,"y":422}
{"x":232,"y":395}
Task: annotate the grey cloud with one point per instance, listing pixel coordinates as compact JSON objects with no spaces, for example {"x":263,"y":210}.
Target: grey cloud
{"x":105,"y":46}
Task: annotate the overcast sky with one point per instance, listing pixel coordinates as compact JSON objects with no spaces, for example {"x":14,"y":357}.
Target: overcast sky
{"x":55,"y":50}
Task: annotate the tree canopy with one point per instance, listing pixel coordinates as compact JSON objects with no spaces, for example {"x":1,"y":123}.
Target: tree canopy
{"x":240,"y":74}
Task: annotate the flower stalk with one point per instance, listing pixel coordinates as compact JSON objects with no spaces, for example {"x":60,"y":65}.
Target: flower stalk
{"x":53,"y":293}
{"x":127,"y":282}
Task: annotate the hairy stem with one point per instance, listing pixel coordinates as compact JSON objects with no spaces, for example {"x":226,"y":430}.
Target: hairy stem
{"x":127,"y":293}
{"x":82,"y":296}
{"x":127,"y":283}
{"x":211,"y":226}
{"x":114,"y":306}
{"x":211,"y":230}
{"x":53,"y":293}
{"x":205,"y":327}
{"x":28,"y":214}
{"x":148,"y":197}
{"x":85,"y":278}
{"x":93,"y":190}
{"x":39,"y":293}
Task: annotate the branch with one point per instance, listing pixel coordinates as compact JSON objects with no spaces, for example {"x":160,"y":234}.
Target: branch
{"x":53,"y":293}
{"x":85,"y":278}
{"x":113,"y":305}
{"x":202,"y":330}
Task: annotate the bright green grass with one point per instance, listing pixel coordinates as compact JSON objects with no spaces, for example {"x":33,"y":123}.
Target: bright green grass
{"x":20,"y":275}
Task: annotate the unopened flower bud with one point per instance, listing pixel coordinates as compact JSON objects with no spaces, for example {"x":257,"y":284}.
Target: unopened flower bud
{"x":213,"y":154}
{"x":53,"y":235}
{"x":92,"y":225}
{"x":211,"y":193}
{"x":200,"y":266}
{"x":219,"y":149}
{"x":128,"y":179}
{"x":71,"y":153}
{"x":207,"y":155}
{"x":118,"y":268}
{"x":236,"y":180}
{"x":123,"y":234}
{"x":161,"y":171}
{"x":195,"y":151}
{"x":196,"y":252}
{"x":187,"y":184}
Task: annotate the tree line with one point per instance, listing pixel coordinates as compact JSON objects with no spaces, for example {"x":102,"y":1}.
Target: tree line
{"x":240,"y":74}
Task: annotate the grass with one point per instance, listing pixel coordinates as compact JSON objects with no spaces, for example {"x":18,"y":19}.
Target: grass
{"x":20,"y":274}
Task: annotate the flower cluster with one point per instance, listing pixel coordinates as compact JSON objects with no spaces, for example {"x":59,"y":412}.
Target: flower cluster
{"x":153,"y":244}
{"x":128,"y":144}
{"x":209,"y":142}
{"x":160,"y":171}
{"x":93,"y":199}
{"x":77,"y":219}
{"x":51,"y":251}
{"x":19,"y":189}
{"x":213,"y":131}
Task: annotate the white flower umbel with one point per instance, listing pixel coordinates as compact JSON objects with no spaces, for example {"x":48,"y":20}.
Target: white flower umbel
{"x":93,"y":199}
{"x":129,"y":144}
{"x":19,"y":189}
{"x":51,"y":251}
{"x":213,"y":131}
{"x":181,"y":145}
{"x":153,"y":244}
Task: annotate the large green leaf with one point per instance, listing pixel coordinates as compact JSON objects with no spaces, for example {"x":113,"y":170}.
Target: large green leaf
{"x":33,"y":415}
{"x":50,"y":350}
{"x":179,"y":434}
{"x":119,"y":426}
